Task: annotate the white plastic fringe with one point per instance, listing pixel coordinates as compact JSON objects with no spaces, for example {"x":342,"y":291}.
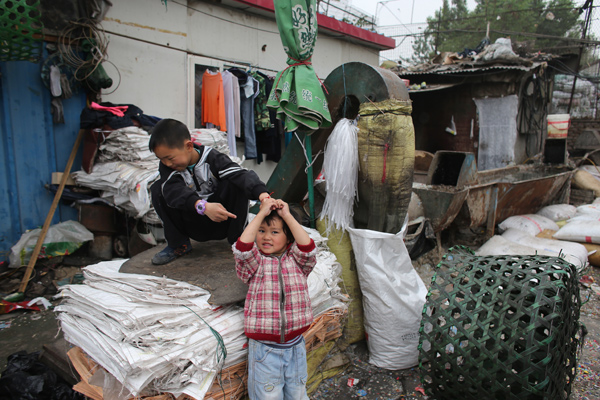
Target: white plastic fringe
{"x":340,"y":168}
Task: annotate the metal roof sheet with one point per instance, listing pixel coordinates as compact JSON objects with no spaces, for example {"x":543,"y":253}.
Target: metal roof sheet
{"x":469,"y":68}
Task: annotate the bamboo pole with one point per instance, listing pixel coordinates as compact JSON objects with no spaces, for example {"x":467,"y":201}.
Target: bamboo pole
{"x":57,"y":197}
{"x":310,"y":177}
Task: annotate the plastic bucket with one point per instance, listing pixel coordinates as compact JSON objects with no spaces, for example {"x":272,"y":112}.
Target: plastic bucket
{"x":558,"y":125}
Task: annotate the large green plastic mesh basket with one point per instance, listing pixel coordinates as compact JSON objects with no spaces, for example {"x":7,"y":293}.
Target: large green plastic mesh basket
{"x":500,"y":327}
{"x":20,"y":30}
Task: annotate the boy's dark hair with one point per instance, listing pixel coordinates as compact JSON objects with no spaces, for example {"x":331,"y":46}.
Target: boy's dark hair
{"x":169,"y":132}
{"x":286,"y":229}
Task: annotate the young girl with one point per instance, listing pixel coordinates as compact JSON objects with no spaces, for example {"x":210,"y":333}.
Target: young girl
{"x":274,"y":256}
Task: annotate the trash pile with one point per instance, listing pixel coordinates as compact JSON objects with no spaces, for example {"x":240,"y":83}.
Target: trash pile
{"x":125,"y":168}
{"x":60,"y":240}
{"x":156,"y":335}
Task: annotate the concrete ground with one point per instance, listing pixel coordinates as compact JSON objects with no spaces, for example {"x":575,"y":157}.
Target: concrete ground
{"x":31,"y":330}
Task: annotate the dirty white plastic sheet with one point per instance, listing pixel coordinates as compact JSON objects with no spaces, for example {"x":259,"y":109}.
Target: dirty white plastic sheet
{"x":124,"y":185}
{"x":393,"y":297}
{"x":497,"y":131}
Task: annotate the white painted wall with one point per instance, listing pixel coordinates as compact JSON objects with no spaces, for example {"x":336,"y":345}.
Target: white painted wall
{"x":151,"y":46}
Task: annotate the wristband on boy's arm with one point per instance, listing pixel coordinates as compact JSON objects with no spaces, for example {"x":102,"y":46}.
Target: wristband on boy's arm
{"x":201,"y":207}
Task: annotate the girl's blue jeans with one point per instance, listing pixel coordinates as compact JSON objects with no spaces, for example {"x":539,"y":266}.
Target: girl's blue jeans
{"x":277,"y":374}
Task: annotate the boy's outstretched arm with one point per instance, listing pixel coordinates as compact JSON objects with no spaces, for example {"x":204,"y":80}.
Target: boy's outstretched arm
{"x":249,"y":234}
{"x":298,"y":231}
{"x":218,"y":213}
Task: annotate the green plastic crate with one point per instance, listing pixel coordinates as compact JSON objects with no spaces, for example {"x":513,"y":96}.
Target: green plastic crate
{"x":21,"y":35}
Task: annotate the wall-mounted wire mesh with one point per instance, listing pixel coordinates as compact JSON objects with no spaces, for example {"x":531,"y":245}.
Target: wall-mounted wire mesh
{"x":500,"y":327}
{"x":20,"y":30}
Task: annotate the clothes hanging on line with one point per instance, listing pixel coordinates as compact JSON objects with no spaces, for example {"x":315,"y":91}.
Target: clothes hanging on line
{"x":234,"y":101}
{"x":249,"y":89}
{"x":269,"y":130}
{"x":231,"y":90}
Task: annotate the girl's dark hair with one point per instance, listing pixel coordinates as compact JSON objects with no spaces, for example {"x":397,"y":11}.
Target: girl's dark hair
{"x":286,"y":229}
{"x":169,"y":132}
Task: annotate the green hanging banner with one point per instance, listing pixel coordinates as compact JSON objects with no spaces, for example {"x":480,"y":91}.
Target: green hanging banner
{"x":298,"y":95}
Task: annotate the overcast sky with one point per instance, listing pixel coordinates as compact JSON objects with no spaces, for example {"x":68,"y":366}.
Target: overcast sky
{"x":394,"y":12}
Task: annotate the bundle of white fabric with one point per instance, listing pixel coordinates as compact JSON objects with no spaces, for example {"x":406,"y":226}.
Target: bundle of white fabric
{"x":124,"y":185}
{"x":123,"y":171}
{"x":160,"y":335}
{"x":127,"y":144}
{"x":211,"y":137}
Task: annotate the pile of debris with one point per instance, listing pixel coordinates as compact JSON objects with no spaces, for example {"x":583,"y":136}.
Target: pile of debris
{"x":485,"y":54}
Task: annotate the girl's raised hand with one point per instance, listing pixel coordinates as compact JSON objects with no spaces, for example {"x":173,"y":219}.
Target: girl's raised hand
{"x":283,"y":209}
{"x":267,"y":205}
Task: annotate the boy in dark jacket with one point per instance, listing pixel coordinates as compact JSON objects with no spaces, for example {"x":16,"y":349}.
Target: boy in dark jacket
{"x":201,"y":194}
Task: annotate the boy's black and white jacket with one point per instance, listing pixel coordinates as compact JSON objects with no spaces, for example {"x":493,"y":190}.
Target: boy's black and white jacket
{"x":182,"y":189}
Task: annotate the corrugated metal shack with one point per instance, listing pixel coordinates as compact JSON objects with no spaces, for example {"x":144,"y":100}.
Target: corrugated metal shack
{"x":444,"y":99}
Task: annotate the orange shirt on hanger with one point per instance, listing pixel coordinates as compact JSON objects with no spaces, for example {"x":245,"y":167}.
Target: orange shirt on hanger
{"x":213,"y":100}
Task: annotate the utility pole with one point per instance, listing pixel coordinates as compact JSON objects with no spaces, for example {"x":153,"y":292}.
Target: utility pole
{"x":588,"y":6}
{"x":437,"y":35}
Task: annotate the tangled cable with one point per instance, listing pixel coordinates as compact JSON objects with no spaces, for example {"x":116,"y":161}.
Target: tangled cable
{"x":91,"y":40}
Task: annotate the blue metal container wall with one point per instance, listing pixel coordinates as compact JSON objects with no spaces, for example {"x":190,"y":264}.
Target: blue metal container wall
{"x":31,"y":148}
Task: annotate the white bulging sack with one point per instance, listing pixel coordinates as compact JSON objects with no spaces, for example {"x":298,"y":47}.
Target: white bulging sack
{"x":393,"y":298}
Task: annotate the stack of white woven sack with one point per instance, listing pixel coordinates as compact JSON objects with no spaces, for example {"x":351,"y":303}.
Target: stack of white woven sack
{"x":556,"y":230}
{"x":123,"y":171}
{"x":157,"y":335}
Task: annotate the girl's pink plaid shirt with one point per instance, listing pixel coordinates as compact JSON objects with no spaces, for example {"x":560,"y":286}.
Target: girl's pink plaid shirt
{"x":263,"y":316}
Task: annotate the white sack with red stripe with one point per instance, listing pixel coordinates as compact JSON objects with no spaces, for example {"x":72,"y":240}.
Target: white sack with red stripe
{"x":581,"y":228}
